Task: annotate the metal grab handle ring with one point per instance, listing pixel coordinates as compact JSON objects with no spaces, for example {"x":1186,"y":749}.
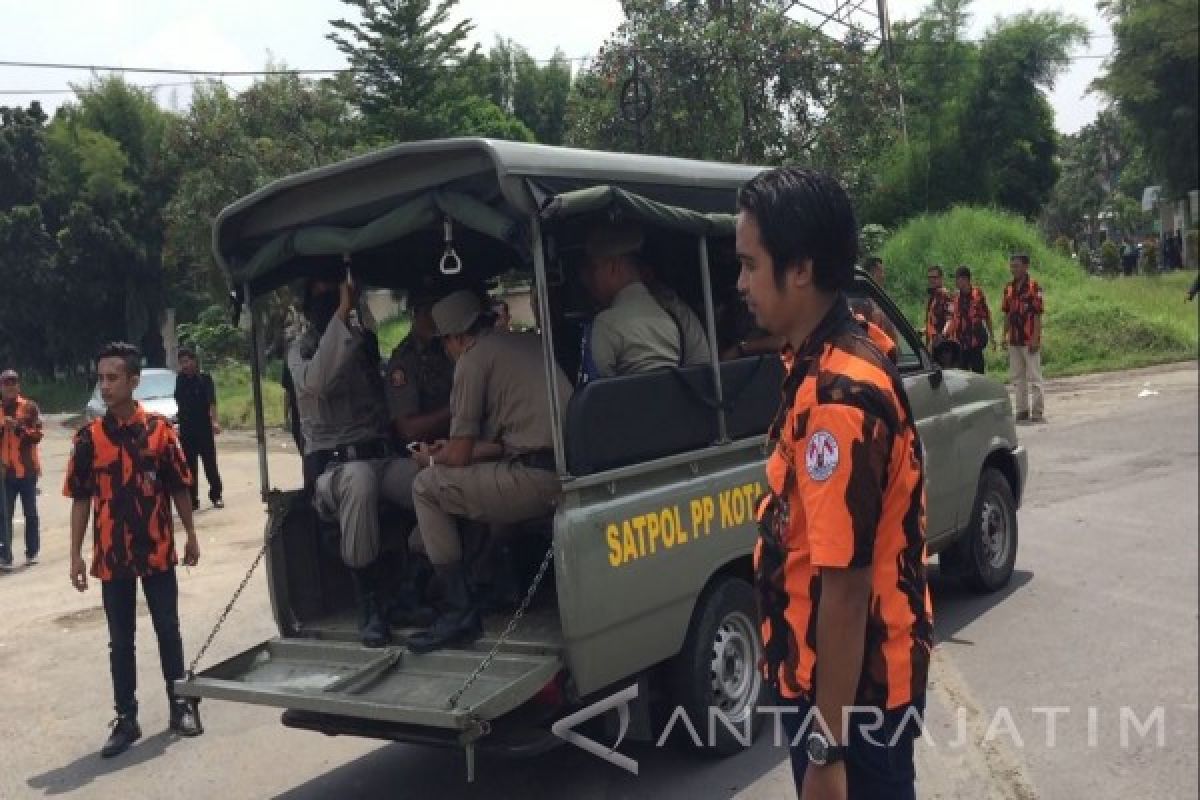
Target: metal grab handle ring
{"x":455,"y":262}
{"x":450,"y":264}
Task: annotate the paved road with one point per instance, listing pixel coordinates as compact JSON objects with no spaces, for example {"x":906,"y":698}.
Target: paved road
{"x":1101,"y":613}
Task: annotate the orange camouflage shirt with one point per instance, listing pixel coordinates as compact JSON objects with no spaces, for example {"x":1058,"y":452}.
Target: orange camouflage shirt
{"x":1023,"y":304}
{"x":969,"y":319}
{"x":19,"y":446}
{"x":937,"y":314}
{"x":129,"y":471}
{"x":846,"y":489}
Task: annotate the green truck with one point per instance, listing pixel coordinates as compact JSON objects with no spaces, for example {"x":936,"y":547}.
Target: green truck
{"x":643,"y":574}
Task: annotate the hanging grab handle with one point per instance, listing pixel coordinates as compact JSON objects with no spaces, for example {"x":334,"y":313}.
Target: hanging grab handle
{"x":450,"y":264}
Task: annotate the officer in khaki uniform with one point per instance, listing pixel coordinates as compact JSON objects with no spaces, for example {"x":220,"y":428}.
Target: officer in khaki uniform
{"x":498,"y":464}
{"x":349,"y":460}
{"x":634,"y":333}
{"x":419,"y":375}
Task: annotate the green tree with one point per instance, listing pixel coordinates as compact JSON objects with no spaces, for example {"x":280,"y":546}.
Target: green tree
{"x":22,"y":154}
{"x":536,"y":94}
{"x":411,"y":80}
{"x":981,"y":129}
{"x":735,"y":80}
{"x":1153,"y":78}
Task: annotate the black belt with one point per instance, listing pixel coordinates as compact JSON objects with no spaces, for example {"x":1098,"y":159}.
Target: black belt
{"x":538,"y":459}
{"x":362,"y":451}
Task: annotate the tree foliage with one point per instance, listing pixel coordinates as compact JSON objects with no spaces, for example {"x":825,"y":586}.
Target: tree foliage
{"x":1153,"y":78}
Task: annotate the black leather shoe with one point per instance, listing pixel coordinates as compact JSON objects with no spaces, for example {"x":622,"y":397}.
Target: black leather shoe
{"x":185,"y":718}
{"x":373,"y":629}
{"x":459,"y":623}
{"x":125,"y":732}
{"x":218,"y":502}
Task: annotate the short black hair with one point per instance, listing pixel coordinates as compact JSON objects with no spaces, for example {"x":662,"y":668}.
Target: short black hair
{"x":124,"y":351}
{"x":186,"y":352}
{"x":938,"y":269}
{"x":802,"y":213}
{"x":1022,"y":257}
{"x":872,"y":263}
{"x":963,"y":271}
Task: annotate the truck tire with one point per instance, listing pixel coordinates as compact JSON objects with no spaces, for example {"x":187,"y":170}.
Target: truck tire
{"x":718,"y":668}
{"x":990,"y":539}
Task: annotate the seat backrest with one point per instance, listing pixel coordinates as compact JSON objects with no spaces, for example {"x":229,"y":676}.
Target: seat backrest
{"x":614,"y":422}
{"x":751,"y":387}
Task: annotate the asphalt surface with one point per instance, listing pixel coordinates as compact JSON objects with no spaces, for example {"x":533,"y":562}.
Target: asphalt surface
{"x":1101,"y":614}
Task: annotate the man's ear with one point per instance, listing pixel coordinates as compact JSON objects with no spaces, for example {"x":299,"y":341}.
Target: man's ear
{"x":800,"y":273}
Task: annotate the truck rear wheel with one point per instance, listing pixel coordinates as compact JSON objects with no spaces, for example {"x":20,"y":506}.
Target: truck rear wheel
{"x":990,"y":544}
{"x":715,"y":677}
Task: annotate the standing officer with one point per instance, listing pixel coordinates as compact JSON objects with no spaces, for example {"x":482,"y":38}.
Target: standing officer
{"x":196,"y":399}
{"x":20,"y":466}
{"x":1023,"y":308}
{"x":937,"y":308}
{"x":348,"y":458}
{"x":128,"y":468}
{"x":970,"y":322}
{"x":839,"y":565}
{"x":419,"y":374}
{"x":498,"y":464}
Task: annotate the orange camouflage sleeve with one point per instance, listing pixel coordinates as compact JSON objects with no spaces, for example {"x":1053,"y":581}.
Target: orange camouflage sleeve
{"x":172,"y":467}
{"x":841,"y":484}
{"x":80,"y":480}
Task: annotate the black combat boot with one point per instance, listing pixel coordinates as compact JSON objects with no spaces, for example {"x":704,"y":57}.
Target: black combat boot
{"x":373,"y":628}
{"x":125,"y":732}
{"x":458,"y":623}
{"x":185,"y":717}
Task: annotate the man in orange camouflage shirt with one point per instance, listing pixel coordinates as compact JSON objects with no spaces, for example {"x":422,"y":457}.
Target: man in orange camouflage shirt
{"x":20,"y":434}
{"x":1023,"y":308}
{"x":846,"y":618}
{"x":126,"y":470}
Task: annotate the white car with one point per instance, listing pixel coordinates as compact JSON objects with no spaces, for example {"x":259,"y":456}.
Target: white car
{"x":155,"y":391}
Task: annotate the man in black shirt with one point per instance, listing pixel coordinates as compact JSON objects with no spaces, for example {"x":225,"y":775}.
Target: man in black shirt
{"x":196,"y":397}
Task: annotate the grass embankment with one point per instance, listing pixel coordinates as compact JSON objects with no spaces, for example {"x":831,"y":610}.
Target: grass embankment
{"x":1092,"y":324}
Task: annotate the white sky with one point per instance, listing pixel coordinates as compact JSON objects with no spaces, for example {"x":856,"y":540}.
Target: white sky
{"x":243,"y":34}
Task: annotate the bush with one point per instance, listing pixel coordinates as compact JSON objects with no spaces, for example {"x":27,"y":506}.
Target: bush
{"x":1150,"y":258}
{"x":214,"y":339}
{"x":1110,"y":258}
{"x":871,"y":239}
{"x":1063,"y":245}
{"x":1085,"y":259}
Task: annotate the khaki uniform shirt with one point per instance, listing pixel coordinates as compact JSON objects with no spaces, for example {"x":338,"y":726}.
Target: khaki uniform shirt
{"x":695,"y":340}
{"x":339,"y":393}
{"x":634,"y":335}
{"x":500,"y":393}
{"x":419,"y":375}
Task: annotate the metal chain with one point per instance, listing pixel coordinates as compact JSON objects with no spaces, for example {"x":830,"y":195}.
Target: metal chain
{"x":508,"y":631}
{"x":191,"y":671}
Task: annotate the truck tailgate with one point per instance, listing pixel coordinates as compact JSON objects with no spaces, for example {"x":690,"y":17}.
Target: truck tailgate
{"x":389,"y":684}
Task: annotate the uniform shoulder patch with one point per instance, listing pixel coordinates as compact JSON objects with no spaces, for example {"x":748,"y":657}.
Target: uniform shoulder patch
{"x":821,"y":455}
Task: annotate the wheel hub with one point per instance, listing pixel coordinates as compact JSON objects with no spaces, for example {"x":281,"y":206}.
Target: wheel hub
{"x":734,"y":677}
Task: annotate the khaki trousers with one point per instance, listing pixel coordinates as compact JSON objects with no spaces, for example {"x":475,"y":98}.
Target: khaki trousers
{"x":350,"y":493}
{"x":499,"y":492}
{"x":1025,"y":370}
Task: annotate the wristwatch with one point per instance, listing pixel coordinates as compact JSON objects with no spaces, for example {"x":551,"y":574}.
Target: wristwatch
{"x":820,"y":752}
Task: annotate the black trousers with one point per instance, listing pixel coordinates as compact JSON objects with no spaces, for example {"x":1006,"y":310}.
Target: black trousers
{"x":120,"y":606}
{"x":880,"y":763}
{"x":972,"y":359}
{"x":198,"y":447}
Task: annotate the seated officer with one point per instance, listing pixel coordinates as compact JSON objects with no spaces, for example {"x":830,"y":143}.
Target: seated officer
{"x":419,"y":374}
{"x":498,"y":464}
{"x":349,"y":460}
{"x":634,"y":333}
